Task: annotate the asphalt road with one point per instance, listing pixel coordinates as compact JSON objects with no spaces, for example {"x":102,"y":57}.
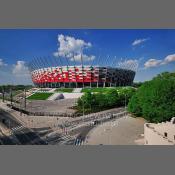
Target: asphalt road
{"x":25,"y":136}
{"x":20,"y":134}
{"x":84,"y":130}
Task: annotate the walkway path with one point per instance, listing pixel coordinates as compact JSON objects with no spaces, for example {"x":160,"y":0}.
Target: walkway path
{"x":123,"y":131}
{"x":77,"y":90}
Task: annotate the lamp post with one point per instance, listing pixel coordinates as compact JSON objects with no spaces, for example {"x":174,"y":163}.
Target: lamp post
{"x":3,"y":94}
{"x":125,"y":101}
{"x":25,"y":98}
{"x":20,"y":107}
{"x":83,"y":107}
{"x":11,"y":97}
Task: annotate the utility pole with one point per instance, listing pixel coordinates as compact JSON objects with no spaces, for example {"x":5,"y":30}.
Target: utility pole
{"x":104,"y":83}
{"x":91,"y":102}
{"x":3,"y":94}
{"x":20,"y":106}
{"x":11,"y":97}
{"x":125,"y":102}
{"x":83,"y":107}
{"x":25,"y":98}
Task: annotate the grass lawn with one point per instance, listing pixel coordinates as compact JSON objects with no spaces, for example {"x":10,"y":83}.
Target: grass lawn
{"x":100,"y":89}
{"x":64,"y":90}
{"x":39,"y":96}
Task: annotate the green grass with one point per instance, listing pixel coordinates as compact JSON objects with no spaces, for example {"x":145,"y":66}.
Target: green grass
{"x":100,"y":89}
{"x":103,"y":90}
{"x":39,"y":96}
{"x":64,"y":90}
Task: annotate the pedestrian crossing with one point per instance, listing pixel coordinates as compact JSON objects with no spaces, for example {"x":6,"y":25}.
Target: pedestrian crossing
{"x":65,"y":139}
{"x":17,"y":128}
{"x":78,"y":142}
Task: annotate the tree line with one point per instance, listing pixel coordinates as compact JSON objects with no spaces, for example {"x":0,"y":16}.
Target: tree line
{"x":98,"y":101}
{"x":8,"y":88}
{"x":153,"y":100}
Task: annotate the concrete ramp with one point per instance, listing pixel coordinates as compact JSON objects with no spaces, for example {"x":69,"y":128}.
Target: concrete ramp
{"x":77,"y":90}
{"x":52,"y":90}
{"x":56,"y":96}
{"x":59,"y":96}
{"x":72,"y":95}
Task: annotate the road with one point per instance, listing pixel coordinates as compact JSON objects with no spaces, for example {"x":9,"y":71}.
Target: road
{"x":19,"y":134}
{"x":70,"y":133}
{"x":76,"y":133}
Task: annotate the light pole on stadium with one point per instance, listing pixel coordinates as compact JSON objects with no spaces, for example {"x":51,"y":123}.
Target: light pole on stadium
{"x":75,"y":75}
{"x":68,"y":70}
{"x":82,"y":68}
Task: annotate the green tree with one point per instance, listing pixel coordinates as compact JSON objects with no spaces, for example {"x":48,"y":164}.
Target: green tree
{"x":109,"y":98}
{"x":155,"y":100}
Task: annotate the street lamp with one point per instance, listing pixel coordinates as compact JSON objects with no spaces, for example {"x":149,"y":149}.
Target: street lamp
{"x":83,"y":107}
{"x":3,"y":94}
{"x":11,"y":96}
{"x":25,"y":98}
{"x":125,"y":101}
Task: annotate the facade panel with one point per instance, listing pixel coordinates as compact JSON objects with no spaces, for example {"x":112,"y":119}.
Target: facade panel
{"x":82,"y":75}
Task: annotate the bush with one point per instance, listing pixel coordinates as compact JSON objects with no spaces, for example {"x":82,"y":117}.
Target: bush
{"x":155,"y":100}
{"x":109,"y":98}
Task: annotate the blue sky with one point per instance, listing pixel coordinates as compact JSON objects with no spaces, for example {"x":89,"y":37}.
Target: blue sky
{"x":154,"y":50}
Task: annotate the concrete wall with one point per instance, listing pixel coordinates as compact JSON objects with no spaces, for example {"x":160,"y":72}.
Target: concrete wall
{"x":154,"y":134}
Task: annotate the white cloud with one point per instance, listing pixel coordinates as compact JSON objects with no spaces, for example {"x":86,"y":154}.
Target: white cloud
{"x":69,"y":47}
{"x":139,"y":41}
{"x":20,"y":69}
{"x":152,"y":63}
{"x":158,"y":62}
{"x":78,"y":57}
{"x":131,"y":64}
{"x":2,"y":63}
{"x":169,"y":58}
{"x":15,"y":74}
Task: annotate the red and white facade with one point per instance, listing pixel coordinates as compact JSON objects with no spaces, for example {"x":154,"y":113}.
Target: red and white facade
{"x":79,"y":76}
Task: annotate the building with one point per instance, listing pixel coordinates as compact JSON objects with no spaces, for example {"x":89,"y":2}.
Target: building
{"x":160,"y":134}
{"x":72,"y":75}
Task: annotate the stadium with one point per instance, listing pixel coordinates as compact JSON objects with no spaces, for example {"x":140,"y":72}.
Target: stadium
{"x":54,"y":72}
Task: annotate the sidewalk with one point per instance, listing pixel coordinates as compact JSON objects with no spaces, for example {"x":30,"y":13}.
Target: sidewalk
{"x":123,"y":131}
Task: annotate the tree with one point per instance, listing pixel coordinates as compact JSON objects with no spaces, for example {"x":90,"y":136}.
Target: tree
{"x":134,"y":106}
{"x":104,"y":99}
{"x":155,"y":100}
